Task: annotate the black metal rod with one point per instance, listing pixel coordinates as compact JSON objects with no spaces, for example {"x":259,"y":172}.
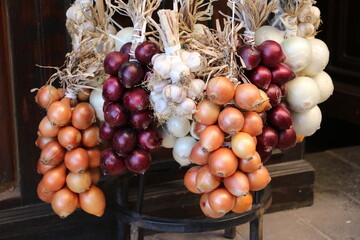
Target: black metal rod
{"x":256,"y":226}
{"x":230,"y":233}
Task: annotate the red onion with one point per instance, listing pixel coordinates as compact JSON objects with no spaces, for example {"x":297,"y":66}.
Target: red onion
{"x":106,"y":132}
{"x":131,"y":74}
{"x":250,"y":55}
{"x":141,"y":120}
{"x":116,"y":115}
{"x":283,"y":89}
{"x":274,"y":94}
{"x":112,"y":89}
{"x":125,"y":141}
{"x":260,"y":77}
{"x":113,"y":61}
{"x":281,"y":74}
{"x":126,"y":48}
{"x":111,"y":163}
{"x":145,"y":51}
{"x":287,"y":139}
{"x":267,"y":140}
{"x":106,"y":103}
{"x":265,"y":156}
{"x":271,"y":53}
{"x":279,"y":118}
{"x":136,"y":100}
{"x":150,"y":139}
{"x":263,"y":116}
{"x":138,"y":161}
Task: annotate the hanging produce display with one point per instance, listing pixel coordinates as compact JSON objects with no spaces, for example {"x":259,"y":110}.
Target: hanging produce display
{"x":221,"y":98}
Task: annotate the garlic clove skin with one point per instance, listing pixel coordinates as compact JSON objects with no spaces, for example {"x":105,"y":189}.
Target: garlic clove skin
{"x":179,"y":70}
{"x":161,"y":65}
{"x":196,"y":89}
{"x":194,"y":62}
{"x":75,"y":13}
{"x":174,"y":93}
{"x":186,"y":108}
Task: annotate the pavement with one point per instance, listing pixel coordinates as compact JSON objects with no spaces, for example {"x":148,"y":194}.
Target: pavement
{"x":334,"y":215}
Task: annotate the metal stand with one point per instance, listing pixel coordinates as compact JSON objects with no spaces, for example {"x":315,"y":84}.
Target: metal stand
{"x":138,"y":222}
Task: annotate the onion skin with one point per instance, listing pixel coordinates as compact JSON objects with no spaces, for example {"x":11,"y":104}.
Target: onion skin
{"x":260,"y":77}
{"x":198,"y":155}
{"x":83,"y":116}
{"x":220,"y":90}
{"x":90,"y":136}
{"x":44,"y":195}
{"x":94,"y":175}
{"x":84,"y":95}
{"x":136,"y":99}
{"x":54,"y":179}
{"x":265,"y":156}
{"x":190,"y":179}
{"x":206,"y":181}
{"x":131,"y":74}
{"x":145,"y":51}
{"x":211,"y":138}
{"x":280,"y":118}
{"x":231,"y":120}
{"x":94,"y":154}
{"x":206,"y":113}
{"x":47,"y":129}
{"x":64,"y":202}
{"x":275,"y":94}
{"x":93,"y":201}
{"x":112,"y":89}
{"x":116,"y":115}
{"x":69,"y":137}
{"x":253,"y":124}
{"x":52,"y":154}
{"x":268,"y":139}
{"x":42,"y":168}
{"x":46,"y":95}
{"x":250,"y":55}
{"x":259,"y":179}
{"x":205,"y":207}
{"x":106,"y":132}
{"x":250,"y":165}
{"x":243,"y":204}
{"x":247,"y":96}
{"x":281,"y":74}
{"x":59,"y":112}
{"x":286,"y":139}
{"x":221,"y":201}
{"x":237,"y":184}
{"x":271,"y":53}
{"x":113,"y":62}
{"x":77,"y":160}
{"x":112,"y":163}
{"x":78,"y":182}
{"x":42,"y":141}
{"x":223,"y":162}
{"x":243,"y":145}
{"x":138,"y":161}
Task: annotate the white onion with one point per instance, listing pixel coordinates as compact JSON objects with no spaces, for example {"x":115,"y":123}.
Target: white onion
{"x":161,"y":106}
{"x":325,"y":84}
{"x":178,"y":126}
{"x":182,"y":150}
{"x":266,"y":32}
{"x":308,"y":122}
{"x":319,"y":57}
{"x":123,"y":36}
{"x":96,"y":100}
{"x":302,"y":94}
{"x":297,"y":51}
{"x":168,"y":139}
{"x":196,"y":89}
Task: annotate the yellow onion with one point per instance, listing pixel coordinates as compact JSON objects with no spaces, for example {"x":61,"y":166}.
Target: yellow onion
{"x":190,"y":179}
{"x":223,"y":162}
{"x":205,"y":207}
{"x":220,"y":90}
{"x":93,"y":201}
{"x":237,"y":184}
{"x":221,"y":201}
{"x":64,"y":202}
{"x":243,"y":145}
{"x":242,"y":203}
{"x":52,"y":153}
{"x":78,"y":182}
{"x":259,"y":179}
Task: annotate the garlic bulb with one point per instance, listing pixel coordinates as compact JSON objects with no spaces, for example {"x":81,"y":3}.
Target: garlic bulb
{"x":196,"y":89}
{"x":159,"y":86}
{"x":179,"y":70}
{"x":123,"y":36}
{"x":161,"y":65}
{"x":186,"y":108}
{"x":75,"y":13}
{"x":174,"y":93}
{"x":309,"y":14}
{"x":193,"y":61}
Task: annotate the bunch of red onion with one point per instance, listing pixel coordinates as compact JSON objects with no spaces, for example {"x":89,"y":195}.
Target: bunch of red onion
{"x":128,"y":125}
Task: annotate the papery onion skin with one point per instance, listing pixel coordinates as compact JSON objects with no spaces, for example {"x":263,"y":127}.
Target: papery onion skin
{"x":112,"y":163}
{"x":46,"y":95}
{"x":297,"y":52}
{"x":206,"y":112}
{"x":54,"y":179}
{"x":265,"y":156}
{"x":253,"y":123}
{"x":44,"y":195}
{"x":190,"y":179}
{"x":138,"y":161}
{"x":308,"y":122}
{"x":106,"y":132}
{"x":195,"y":129}
{"x":221,"y":201}
{"x":260,"y":77}
{"x":231,"y":120}
{"x":48,"y":129}
{"x":94,"y":154}
{"x":198,"y":155}
{"x":42,"y":141}
{"x":220,"y":90}
{"x":319,"y":57}
{"x":205,"y":207}
{"x":90,"y":136}
{"x":250,"y":55}
{"x":182,"y":150}
{"x":112,"y":89}
{"x":247,"y":96}
{"x":206,"y":181}
{"x":250,"y":165}
{"x":78,"y":182}
{"x":265,"y":105}
{"x":211,"y":138}
{"x":268,"y":139}
{"x":243,"y":204}
{"x":113,"y":62}
{"x":237,"y":184}
{"x":286,"y":139}
{"x":94,"y":175}
{"x":64,"y":202}
{"x":178,"y":126}
{"x":77,"y":160}
{"x":59,"y":113}
{"x":223,"y":162}
{"x":243,"y":145}
{"x":93,"y":201}
{"x":43,"y":168}
{"x":69,"y":137}
{"x":83,"y":116}
{"x":274,"y":93}
{"x":271,"y":53}
{"x":325,"y":84}
{"x":52,"y":153}
{"x":259,"y":179}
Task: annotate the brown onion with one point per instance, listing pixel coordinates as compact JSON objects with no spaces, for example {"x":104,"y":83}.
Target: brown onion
{"x":95,"y":175}
{"x":198,"y":155}
{"x":92,"y":201}
{"x":205,"y":180}
{"x":250,"y":165}
{"x":69,"y":137}
{"x":242,"y":204}
{"x":211,"y":138}
{"x":47,"y":129}
{"x":265,"y":105}
{"x":64,"y":202}
{"x":231,"y":120}
{"x":237,"y":184}
{"x":190,"y":179}
{"x":59,"y":112}
{"x":54,"y":179}
{"x":78,"y":182}
{"x":84,"y":94}
{"x":223,"y":162}
{"x":83,"y":116}
{"x":44,"y":195}
{"x":206,"y":112}
{"x":196,"y":128}
{"x":205,"y":207}
{"x":90,"y":136}
{"x":253,"y":123}
{"x":243,"y":145}
{"x":43,"y":168}
{"x":42,"y":141}
{"x":77,"y":160}
{"x":52,"y":154}
{"x":46,"y":95}
{"x":94,"y":157}
{"x":221,"y":201}
{"x":259,"y":179}
{"x":220,"y":90}
{"x":247,"y":96}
